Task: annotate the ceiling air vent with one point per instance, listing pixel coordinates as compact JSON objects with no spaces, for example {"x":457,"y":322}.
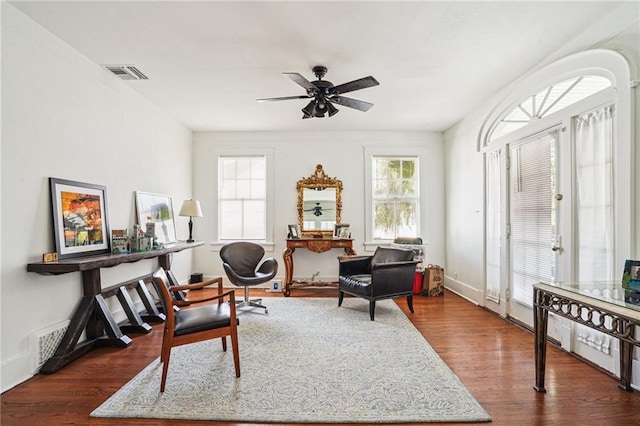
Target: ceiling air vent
{"x":126,"y":72}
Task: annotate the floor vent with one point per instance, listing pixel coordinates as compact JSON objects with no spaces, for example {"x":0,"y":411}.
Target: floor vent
{"x":45,"y":342}
{"x":126,"y":72}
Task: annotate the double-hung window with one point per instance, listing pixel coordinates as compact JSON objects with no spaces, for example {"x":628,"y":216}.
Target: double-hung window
{"x":395,"y":197}
{"x":242,"y":201}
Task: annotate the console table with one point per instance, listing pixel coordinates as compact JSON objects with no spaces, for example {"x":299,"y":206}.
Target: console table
{"x":316,"y":245}
{"x":92,"y":314}
{"x":618,"y":314}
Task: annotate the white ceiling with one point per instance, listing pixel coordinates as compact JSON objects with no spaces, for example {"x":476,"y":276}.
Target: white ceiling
{"x":208,"y":61}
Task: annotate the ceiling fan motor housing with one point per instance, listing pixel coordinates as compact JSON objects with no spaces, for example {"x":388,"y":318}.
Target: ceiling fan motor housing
{"x":319,"y":71}
{"x":324,"y":94}
{"x":324,"y":87}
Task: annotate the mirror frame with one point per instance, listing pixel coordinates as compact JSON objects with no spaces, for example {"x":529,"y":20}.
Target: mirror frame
{"x":318,"y":179}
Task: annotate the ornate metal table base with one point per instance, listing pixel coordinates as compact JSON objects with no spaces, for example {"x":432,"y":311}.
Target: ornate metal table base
{"x":612,"y":319}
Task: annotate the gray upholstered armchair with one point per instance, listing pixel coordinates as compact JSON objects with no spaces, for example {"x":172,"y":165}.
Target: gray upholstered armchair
{"x":389,"y":273}
{"x":241,"y":262}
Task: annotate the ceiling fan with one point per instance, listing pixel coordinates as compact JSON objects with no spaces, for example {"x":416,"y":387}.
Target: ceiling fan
{"x":324,"y":94}
{"x":317,"y":210}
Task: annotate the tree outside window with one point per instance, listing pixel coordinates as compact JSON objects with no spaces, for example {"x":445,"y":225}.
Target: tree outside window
{"x":395,"y":197}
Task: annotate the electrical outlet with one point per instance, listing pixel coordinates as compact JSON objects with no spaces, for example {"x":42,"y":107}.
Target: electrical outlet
{"x":455,"y":276}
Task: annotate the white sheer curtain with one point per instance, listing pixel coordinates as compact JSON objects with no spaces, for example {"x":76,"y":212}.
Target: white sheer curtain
{"x":492,"y":219}
{"x":594,"y":204}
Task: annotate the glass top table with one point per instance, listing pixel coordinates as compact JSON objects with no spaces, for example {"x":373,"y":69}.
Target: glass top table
{"x":609,"y":292}
{"x":604,"y":306}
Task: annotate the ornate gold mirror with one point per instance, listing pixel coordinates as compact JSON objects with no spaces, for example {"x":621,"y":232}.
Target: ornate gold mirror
{"x":319,"y":203}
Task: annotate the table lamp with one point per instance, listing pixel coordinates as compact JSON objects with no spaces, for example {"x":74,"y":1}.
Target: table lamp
{"x":192,"y":209}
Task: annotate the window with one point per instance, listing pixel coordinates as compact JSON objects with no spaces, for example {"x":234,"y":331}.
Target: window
{"x":547,"y":101}
{"x":394,"y":197}
{"x":242,"y":188}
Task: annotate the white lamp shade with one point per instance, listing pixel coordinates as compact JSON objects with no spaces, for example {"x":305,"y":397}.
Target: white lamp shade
{"x":191,"y":208}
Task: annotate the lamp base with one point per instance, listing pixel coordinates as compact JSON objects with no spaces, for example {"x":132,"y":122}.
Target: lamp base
{"x":190,"y":240}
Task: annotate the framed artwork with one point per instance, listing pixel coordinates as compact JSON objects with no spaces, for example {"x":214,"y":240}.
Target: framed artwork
{"x":80,"y":218}
{"x":342,"y":231}
{"x":294,"y":231}
{"x":631,"y":275}
{"x":157,"y":209}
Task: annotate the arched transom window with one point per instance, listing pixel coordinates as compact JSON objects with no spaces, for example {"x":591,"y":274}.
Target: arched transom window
{"x":547,"y":101}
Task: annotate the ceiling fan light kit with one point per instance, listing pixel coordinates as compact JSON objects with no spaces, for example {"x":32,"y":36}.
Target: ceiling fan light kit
{"x":324,"y":94}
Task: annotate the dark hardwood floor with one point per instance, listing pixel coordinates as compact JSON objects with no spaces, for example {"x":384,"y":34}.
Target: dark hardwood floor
{"x":492,"y":357}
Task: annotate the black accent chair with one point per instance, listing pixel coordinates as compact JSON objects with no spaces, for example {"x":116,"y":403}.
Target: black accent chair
{"x":388,"y":274}
{"x":195,"y":324}
{"x":240,"y":262}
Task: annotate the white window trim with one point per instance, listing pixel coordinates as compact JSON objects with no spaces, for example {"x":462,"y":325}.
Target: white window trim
{"x":216,"y":153}
{"x":370,"y":244}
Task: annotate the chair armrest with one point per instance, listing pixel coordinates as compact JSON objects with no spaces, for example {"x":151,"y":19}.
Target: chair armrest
{"x":393,"y":278}
{"x":219,"y":297}
{"x":269,"y":266}
{"x":389,"y":265}
{"x":231,"y":294}
{"x":353,"y":265}
{"x":198,"y":286}
{"x":352,"y":258}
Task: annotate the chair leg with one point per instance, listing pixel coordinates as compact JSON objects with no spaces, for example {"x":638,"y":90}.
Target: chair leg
{"x":165,"y":336}
{"x":166,"y":354}
{"x":224,"y":343}
{"x":372,"y":309}
{"x":236,"y":354}
{"x":410,"y":303}
{"x":255,"y":303}
{"x":340,"y":297}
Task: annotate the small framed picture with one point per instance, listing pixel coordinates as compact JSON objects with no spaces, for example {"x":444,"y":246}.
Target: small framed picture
{"x":80,"y":222}
{"x":294,"y":231}
{"x":631,"y":275}
{"x":156,"y":209}
{"x":342,"y":231}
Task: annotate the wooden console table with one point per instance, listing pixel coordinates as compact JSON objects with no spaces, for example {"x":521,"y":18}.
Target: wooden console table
{"x":92,"y":314}
{"x":618,"y":314}
{"x":316,"y":245}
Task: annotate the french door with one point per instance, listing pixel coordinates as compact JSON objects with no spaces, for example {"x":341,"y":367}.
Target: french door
{"x":532,"y":229}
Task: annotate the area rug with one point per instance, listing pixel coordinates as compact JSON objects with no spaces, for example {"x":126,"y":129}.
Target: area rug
{"x":306,"y":361}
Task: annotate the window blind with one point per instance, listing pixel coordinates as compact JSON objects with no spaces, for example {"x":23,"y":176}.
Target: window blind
{"x":531,"y":216}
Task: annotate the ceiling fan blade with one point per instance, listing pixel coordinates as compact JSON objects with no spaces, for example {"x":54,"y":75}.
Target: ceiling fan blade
{"x":298,"y":78}
{"x":352,"y":103}
{"x":284,"y":98}
{"x":361,"y":83}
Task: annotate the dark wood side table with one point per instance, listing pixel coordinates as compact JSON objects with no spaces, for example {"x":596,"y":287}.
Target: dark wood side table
{"x":92,"y":314}
{"x":316,"y":245}
{"x":617,"y":316}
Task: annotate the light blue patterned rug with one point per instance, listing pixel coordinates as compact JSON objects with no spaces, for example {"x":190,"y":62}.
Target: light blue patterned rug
{"x":307,"y":361}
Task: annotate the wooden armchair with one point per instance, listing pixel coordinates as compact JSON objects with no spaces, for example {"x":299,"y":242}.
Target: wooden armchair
{"x":196,"y":324}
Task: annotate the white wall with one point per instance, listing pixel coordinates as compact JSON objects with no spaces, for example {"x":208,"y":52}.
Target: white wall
{"x":63,"y":116}
{"x":464,"y":185}
{"x":464,"y":188}
{"x":342,"y":156}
